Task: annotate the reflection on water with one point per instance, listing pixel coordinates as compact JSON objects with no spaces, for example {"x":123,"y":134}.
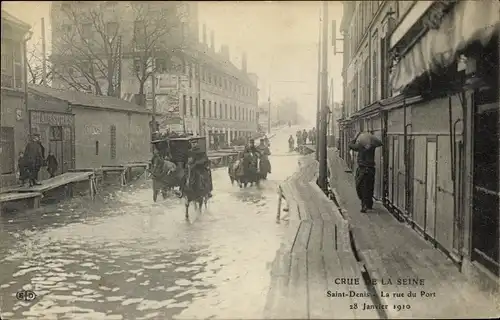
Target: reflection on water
{"x":125,"y":257}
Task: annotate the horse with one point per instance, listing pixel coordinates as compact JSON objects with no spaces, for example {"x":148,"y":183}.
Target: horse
{"x":166,"y":176}
{"x":244,"y":171}
{"x":195,"y":190}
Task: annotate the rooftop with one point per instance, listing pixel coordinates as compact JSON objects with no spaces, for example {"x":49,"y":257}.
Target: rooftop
{"x":13,"y":20}
{"x":87,"y":100}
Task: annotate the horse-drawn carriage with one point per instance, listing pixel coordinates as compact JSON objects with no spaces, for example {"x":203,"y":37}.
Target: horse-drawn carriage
{"x":250,"y":168}
{"x":169,"y":164}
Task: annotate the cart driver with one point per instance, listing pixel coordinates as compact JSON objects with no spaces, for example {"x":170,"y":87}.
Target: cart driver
{"x":200,"y":162}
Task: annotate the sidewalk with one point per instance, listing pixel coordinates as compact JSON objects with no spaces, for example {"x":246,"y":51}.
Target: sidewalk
{"x":314,"y":258}
{"x":392,"y":251}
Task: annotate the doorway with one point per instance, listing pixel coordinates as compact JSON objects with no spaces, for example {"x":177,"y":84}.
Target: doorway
{"x":430,"y":188}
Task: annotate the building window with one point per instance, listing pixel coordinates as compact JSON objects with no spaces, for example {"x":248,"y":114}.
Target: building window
{"x":139,"y":35}
{"x":137,"y":65}
{"x":87,"y":31}
{"x":184,"y":105}
{"x":160,"y":65}
{"x":366,"y":83}
{"x":190,"y":106}
{"x":225,"y":111}
{"x":113,"y":142}
{"x":210,"y":109}
{"x":18,"y":66}
{"x":111,"y":30}
{"x":7,"y":63}
{"x":7,"y":154}
{"x":97,"y":148}
{"x":197,"y":107}
{"x":375,"y":76}
{"x":220,"y":110}
{"x":204,"y":111}
{"x":230,"y":112}
{"x":215,"y":109}
{"x":56,"y":133}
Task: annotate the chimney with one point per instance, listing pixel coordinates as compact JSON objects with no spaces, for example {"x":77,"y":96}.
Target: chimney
{"x":204,"y":34}
{"x":212,"y":40}
{"x":244,"y":62}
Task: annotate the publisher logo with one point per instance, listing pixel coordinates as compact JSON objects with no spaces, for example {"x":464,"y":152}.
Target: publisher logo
{"x":26,"y":295}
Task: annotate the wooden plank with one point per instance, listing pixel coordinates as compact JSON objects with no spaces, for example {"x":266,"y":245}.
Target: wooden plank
{"x":293,"y":210}
{"x":113,"y":169}
{"x":352,"y":270}
{"x":304,"y":213}
{"x":298,"y":274}
{"x":278,"y":298}
{"x":328,"y":210}
{"x":7,"y":197}
{"x":137,"y":165}
{"x":58,"y":181}
{"x":339,"y":306}
{"x":376,"y":266}
{"x":310,"y":204}
{"x":316,"y":274}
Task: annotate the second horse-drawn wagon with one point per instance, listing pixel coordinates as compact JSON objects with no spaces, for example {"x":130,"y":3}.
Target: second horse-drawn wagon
{"x":169,"y":163}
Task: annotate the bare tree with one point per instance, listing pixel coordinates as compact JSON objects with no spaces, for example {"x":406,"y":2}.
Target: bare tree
{"x":35,"y":67}
{"x":158,"y":29}
{"x":86,"y":49}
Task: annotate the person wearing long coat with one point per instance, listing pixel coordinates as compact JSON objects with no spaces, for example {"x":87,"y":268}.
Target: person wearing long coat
{"x":365,"y":172}
{"x":35,"y":155}
{"x":199,"y":173}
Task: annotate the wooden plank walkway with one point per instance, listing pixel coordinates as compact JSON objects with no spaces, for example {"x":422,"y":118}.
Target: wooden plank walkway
{"x":32,"y":196}
{"x":309,"y":272}
{"x":390,"y":250}
{"x":65,"y":179}
{"x":58,"y":181}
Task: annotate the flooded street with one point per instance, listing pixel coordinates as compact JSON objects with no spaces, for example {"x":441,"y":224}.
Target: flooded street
{"x":126,"y":257}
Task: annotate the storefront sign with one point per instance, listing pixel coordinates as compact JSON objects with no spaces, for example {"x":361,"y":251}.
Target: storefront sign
{"x":53,"y":119}
{"x":93,"y":129}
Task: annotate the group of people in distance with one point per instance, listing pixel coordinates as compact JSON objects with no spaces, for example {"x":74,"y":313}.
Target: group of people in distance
{"x":302,"y":137}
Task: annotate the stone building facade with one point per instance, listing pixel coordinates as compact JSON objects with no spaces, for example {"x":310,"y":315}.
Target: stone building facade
{"x":429,"y":88}
{"x":14,"y":120}
{"x":197,"y":88}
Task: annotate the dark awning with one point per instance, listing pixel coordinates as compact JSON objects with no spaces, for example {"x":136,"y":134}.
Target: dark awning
{"x":468,"y":21}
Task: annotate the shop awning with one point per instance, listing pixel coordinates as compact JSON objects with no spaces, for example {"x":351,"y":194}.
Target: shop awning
{"x":469,"y":21}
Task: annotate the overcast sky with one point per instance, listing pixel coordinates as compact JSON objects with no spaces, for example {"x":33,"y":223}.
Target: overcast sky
{"x":280,"y":38}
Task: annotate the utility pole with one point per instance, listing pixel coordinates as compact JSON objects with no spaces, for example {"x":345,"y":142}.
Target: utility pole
{"x":199,"y":99}
{"x":269,"y":112}
{"x":118,"y":92}
{"x":318,"y":99}
{"x":322,"y":179}
{"x":332,"y":120}
{"x":153,"y":87}
{"x":44,"y":55}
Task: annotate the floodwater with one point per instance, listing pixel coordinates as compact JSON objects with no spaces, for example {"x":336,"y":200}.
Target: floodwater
{"x":125,"y":257}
